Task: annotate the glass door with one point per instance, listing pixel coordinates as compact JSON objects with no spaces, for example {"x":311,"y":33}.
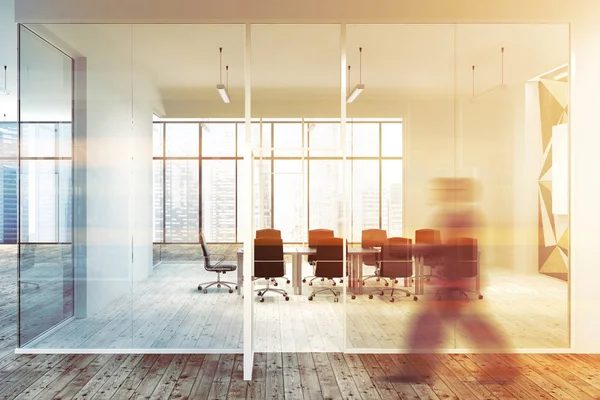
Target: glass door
{"x":45,"y":195}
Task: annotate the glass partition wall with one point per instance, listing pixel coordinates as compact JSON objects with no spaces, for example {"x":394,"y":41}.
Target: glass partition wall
{"x":45,"y":254}
{"x":296,"y":82}
{"x":512,"y":116}
{"x":465,"y":128}
{"x":193,"y":295}
{"x":76,"y":187}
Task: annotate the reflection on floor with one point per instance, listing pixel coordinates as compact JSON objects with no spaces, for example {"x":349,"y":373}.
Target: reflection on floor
{"x":167,"y":311}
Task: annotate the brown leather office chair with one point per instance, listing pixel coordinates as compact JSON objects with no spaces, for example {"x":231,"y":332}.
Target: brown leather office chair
{"x":372,"y":238}
{"x":269,"y":263}
{"x":396,"y":261}
{"x":271,"y":233}
{"x":461,"y":263}
{"x":433,"y":259}
{"x":330,"y":264}
{"x":314,"y":236}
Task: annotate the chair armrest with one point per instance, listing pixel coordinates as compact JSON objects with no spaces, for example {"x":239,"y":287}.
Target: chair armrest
{"x":216,"y":259}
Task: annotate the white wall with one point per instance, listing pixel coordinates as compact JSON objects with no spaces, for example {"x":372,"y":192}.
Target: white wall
{"x":585,"y":187}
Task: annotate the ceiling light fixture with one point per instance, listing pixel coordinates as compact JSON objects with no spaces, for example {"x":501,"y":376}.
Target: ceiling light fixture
{"x":204,"y":127}
{"x":561,"y":75}
{"x":5,"y":90}
{"x":358,"y":88}
{"x":220,"y":87}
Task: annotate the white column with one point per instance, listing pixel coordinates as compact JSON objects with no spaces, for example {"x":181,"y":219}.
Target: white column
{"x":247,"y":210}
{"x":343,"y":104}
{"x":584,"y":187}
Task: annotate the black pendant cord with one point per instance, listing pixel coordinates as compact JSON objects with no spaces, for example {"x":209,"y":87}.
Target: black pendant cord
{"x":473,"y":84}
{"x":348,"y":82}
{"x":502,"y":76}
{"x":5,"y":88}
{"x":360,"y":65}
{"x":220,"y":65}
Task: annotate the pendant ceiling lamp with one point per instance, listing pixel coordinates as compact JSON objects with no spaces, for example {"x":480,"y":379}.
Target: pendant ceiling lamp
{"x":352,"y":95}
{"x":220,"y":87}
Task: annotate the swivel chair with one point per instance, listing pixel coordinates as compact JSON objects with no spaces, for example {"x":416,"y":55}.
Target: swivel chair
{"x":396,"y":261}
{"x":215,"y":263}
{"x":269,"y":264}
{"x":461,"y":263}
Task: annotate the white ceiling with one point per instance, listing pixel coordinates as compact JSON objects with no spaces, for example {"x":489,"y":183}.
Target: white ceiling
{"x":182,"y":61}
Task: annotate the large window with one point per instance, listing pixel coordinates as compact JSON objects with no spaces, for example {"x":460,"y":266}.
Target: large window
{"x":8,"y":182}
{"x":298,"y":178}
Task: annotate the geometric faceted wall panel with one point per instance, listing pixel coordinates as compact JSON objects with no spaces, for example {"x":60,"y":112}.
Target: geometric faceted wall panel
{"x":553,"y":230}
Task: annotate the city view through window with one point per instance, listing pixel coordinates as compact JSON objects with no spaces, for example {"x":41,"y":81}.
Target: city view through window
{"x":46,"y":163}
{"x":298,"y":181}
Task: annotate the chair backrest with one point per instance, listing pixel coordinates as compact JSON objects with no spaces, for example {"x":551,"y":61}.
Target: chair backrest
{"x":396,"y":259}
{"x":205,"y":252}
{"x":330,"y":258}
{"x":268,"y":258}
{"x":315,"y":235}
{"x":431,"y":237}
{"x":373,"y":237}
{"x":461,"y":258}
{"x":268,"y":233}
{"x":427,"y":236}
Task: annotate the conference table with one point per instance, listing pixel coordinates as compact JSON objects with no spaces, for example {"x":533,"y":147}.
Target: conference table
{"x":355,"y":254}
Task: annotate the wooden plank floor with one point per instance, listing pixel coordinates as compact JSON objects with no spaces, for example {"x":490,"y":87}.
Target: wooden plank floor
{"x":167,"y":311}
{"x":302,"y":376}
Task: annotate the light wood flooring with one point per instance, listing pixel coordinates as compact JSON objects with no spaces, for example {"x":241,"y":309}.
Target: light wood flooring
{"x":301,"y":376}
{"x":167,"y":311}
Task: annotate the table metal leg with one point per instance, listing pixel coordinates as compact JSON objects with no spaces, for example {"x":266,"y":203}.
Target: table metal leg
{"x":421,"y":280}
{"x":240,"y":272}
{"x":356,"y":273}
{"x":296,"y":280}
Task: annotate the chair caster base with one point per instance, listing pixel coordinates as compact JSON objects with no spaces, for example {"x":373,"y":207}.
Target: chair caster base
{"x":480,"y":297}
{"x":310,"y":298}
{"x":262,"y":300}
{"x":287,"y":298}
{"x":353,"y":297}
{"x":370,"y":296}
